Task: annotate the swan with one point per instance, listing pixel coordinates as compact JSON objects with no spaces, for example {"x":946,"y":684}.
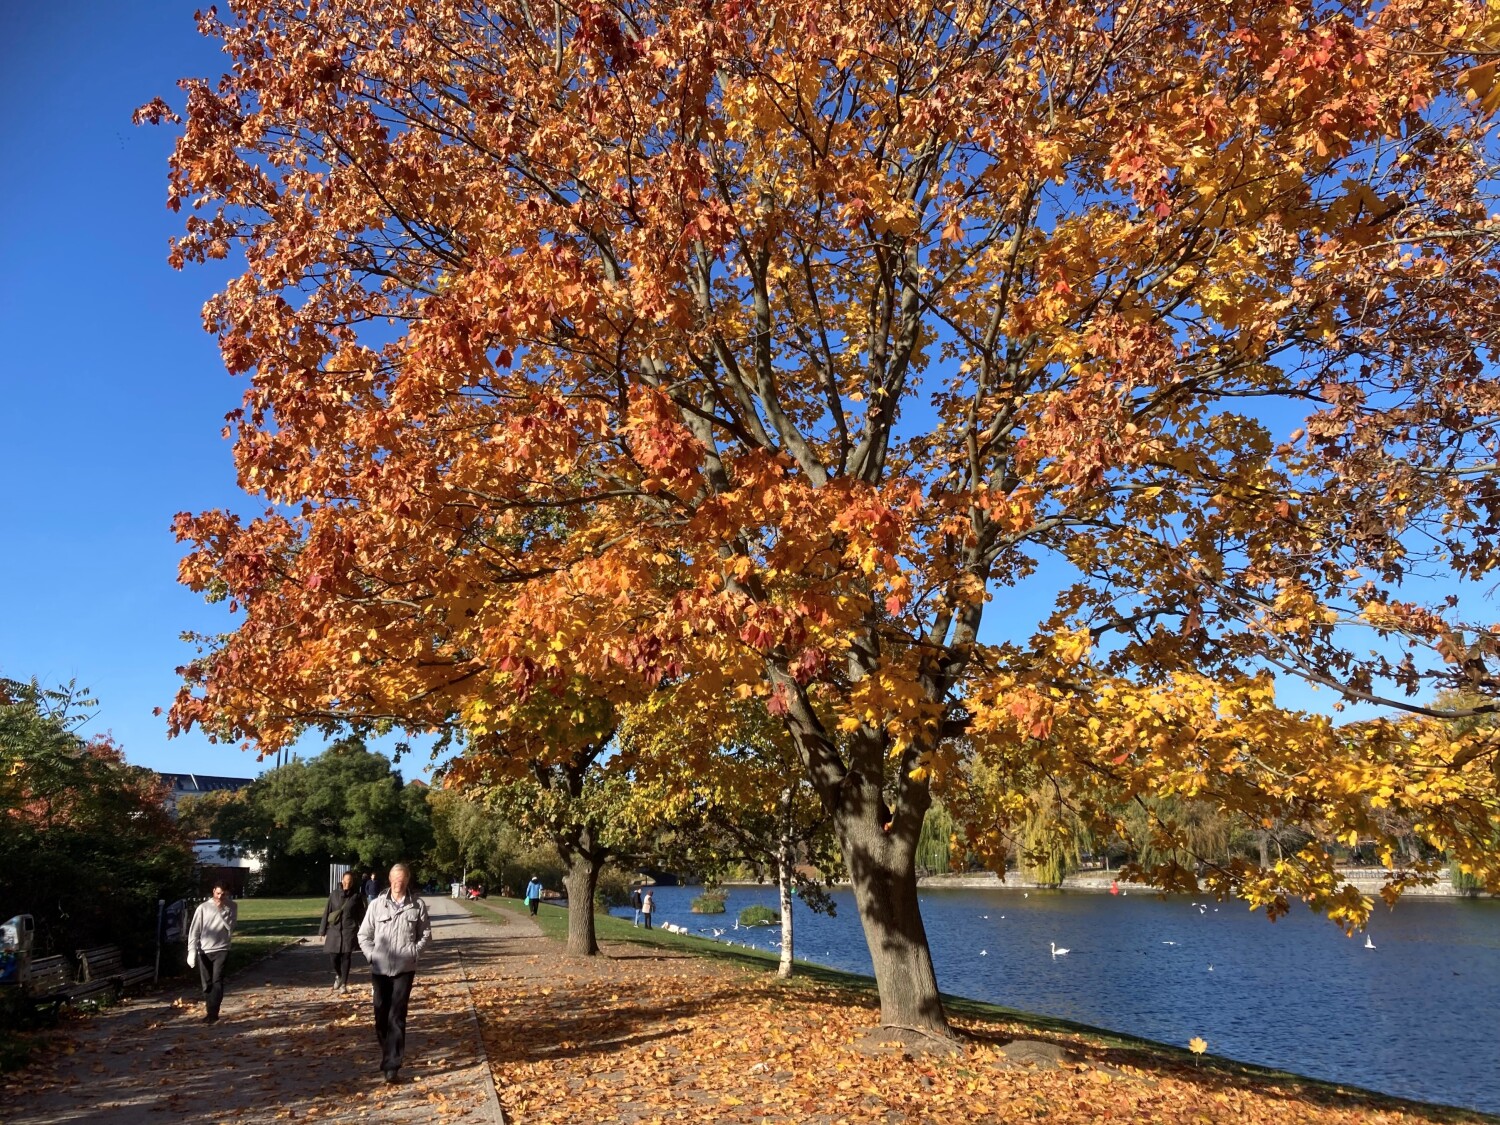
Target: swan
{"x":1056,"y":952}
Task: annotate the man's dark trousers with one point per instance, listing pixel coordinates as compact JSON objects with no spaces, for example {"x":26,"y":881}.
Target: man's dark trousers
{"x":391,"y":996}
{"x":211,"y":973}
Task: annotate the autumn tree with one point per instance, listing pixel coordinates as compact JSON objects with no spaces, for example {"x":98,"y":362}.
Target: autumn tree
{"x":545,"y":763}
{"x":87,"y":846}
{"x":1157,"y":338}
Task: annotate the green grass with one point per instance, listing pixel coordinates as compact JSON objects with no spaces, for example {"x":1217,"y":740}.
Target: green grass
{"x":480,"y":910}
{"x":1132,"y":1050}
{"x":268,"y":924}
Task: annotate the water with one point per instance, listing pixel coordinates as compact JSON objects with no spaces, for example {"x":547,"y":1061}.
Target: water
{"x":1418,"y":1016}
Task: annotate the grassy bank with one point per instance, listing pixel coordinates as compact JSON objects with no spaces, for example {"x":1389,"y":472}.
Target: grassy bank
{"x":268,"y":924}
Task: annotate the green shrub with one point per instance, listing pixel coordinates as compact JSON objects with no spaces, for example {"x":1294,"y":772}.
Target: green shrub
{"x":759,"y":916}
{"x":709,"y":902}
{"x":613,"y":888}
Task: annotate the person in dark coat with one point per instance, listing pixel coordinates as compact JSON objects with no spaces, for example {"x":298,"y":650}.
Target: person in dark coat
{"x":340,"y":928}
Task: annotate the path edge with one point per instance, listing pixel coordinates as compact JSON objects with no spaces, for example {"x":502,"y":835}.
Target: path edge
{"x":497,"y":1111}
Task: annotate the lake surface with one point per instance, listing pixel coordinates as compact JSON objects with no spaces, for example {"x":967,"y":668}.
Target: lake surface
{"x":1417,"y":1016}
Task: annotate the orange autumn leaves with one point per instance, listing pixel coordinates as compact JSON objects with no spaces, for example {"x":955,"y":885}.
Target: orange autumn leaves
{"x":638,"y":1038}
{"x":1018,"y":388}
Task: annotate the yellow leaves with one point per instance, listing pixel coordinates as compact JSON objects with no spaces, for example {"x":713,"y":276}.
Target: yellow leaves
{"x":1197,"y":1045}
{"x":1479,"y":85}
{"x":1072,"y":645}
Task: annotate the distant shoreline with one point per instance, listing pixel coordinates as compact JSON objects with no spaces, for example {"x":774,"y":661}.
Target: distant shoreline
{"x":1368,"y":879}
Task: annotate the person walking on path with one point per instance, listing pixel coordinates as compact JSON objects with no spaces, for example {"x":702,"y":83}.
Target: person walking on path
{"x":371,"y":888}
{"x":534,"y":894}
{"x":339,"y":928}
{"x":209,"y":935}
{"x":635,"y":901}
{"x":648,"y":907}
{"x":395,"y":931}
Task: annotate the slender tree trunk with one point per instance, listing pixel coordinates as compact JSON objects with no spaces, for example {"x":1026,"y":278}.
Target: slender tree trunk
{"x":883,"y":871}
{"x":581,"y":879}
{"x":1265,"y":850}
{"x":785,"y":857}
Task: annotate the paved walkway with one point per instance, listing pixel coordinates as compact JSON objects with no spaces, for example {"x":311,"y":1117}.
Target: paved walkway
{"x":286,"y":1048}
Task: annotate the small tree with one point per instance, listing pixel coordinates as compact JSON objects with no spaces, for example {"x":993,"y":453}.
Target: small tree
{"x":86,"y":844}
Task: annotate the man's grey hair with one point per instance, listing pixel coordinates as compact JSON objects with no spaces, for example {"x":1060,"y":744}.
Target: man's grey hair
{"x":401,"y":867}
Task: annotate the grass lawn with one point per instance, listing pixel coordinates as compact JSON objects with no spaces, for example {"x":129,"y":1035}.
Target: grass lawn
{"x":479,"y":910}
{"x":267,"y":924}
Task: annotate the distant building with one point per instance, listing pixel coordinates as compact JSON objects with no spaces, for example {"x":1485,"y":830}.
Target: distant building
{"x":212,"y":864}
{"x":196,"y":784}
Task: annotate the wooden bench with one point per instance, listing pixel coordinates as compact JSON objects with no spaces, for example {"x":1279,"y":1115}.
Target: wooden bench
{"x":49,"y":985}
{"x":106,"y":964}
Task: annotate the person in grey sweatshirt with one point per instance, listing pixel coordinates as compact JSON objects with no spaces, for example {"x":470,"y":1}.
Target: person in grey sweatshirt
{"x":393,"y":935}
{"x":208,"y":946}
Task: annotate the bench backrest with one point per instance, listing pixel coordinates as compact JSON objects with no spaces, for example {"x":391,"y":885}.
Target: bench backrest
{"x":104,"y":961}
{"x":48,"y":974}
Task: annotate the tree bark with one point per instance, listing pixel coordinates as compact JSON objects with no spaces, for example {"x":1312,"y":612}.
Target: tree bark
{"x":883,"y":872}
{"x":785,"y":857}
{"x":880,"y":851}
{"x":581,"y":880}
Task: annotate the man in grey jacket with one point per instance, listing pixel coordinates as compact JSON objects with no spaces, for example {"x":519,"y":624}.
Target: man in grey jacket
{"x":395,"y":931}
{"x":208,"y":946}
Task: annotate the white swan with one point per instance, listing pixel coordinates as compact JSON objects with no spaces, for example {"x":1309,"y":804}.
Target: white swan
{"x":1056,"y":952}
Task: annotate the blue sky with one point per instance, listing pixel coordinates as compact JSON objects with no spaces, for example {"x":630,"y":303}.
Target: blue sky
{"x":111,"y":394}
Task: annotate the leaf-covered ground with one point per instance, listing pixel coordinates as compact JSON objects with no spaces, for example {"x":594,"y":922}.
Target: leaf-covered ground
{"x":650,"y":1033}
{"x":286,"y":1048}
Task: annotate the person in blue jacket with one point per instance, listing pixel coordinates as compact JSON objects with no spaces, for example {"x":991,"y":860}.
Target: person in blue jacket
{"x":533,"y":894}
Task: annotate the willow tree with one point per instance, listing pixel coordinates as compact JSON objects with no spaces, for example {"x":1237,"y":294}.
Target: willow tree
{"x":1157,"y":333}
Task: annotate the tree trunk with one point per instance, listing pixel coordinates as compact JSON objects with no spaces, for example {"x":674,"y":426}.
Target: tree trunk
{"x":581,"y":879}
{"x":880,"y":851}
{"x":785,"y":857}
{"x":1265,"y":850}
{"x":883,"y":871}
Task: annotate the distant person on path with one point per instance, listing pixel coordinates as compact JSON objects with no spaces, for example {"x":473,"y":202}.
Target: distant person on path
{"x":635,"y":901}
{"x":534,"y":894}
{"x":209,"y":934}
{"x":371,"y":887}
{"x":339,"y":928}
{"x":395,"y":931}
{"x":648,"y":907}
